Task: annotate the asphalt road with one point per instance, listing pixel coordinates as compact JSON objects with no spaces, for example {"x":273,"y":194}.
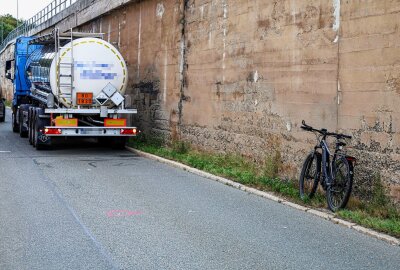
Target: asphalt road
{"x":80,"y":206}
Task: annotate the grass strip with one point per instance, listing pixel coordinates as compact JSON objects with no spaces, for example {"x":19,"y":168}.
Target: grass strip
{"x":387,"y":225}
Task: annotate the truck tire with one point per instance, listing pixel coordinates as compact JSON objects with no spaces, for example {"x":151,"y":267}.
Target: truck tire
{"x":23,"y":132}
{"x":38,"y":125}
{"x":3,"y":107}
{"x":15,"y":126}
{"x":33,"y":127}
{"x":30,"y":126}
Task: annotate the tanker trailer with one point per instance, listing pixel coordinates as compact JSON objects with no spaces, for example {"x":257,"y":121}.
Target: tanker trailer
{"x":70,"y":85}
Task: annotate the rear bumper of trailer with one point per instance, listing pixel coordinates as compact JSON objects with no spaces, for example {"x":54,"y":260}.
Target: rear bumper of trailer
{"x":54,"y":131}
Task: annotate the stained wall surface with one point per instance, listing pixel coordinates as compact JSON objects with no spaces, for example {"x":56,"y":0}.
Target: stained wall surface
{"x":239,"y":76}
{"x":6,"y":86}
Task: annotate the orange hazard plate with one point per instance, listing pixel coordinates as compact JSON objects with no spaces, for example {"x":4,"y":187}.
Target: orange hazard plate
{"x":84,"y":98}
{"x":71,"y":122}
{"x":109,"y":122}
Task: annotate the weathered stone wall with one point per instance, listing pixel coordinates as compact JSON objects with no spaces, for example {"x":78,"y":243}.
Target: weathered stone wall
{"x":6,"y":86}
{"x":369,"y":87}
{"x":255,"y":70}
{"x":239,"y":76}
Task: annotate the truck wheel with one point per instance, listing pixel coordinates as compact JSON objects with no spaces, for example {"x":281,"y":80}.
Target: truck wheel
{"x":4,"y":114}
{"x":30,"y":127}
{"x":34,"y":127}
{"x":38,"y":125}
{"x":23,"y":132}
{"x":15,"y":126}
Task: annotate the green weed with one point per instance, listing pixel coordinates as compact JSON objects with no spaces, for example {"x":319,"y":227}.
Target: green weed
{"x":8,"y":103}
{"x":378,"y":212}
{"x":387,"y":225}
{"x":272,"y":165}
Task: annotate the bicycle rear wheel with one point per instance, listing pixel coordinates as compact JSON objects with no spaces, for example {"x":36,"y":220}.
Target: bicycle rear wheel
{"x":338,"y":193}
{"x":309,"y":176}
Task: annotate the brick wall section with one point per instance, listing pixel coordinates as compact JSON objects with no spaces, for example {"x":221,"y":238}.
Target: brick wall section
{"x":239,"y":76}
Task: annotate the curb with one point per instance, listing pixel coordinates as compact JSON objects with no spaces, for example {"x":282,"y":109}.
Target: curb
{"x":327,"y":216}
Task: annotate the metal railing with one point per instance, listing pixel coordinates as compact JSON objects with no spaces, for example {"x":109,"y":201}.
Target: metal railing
{"x":42,"y":16}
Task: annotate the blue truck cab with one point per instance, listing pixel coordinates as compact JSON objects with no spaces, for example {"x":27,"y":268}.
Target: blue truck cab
{"x":21,"y":83}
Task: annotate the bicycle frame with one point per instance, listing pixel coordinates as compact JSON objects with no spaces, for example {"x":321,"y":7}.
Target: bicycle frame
{"x":326,"y":165}
{"x":331,"y":163}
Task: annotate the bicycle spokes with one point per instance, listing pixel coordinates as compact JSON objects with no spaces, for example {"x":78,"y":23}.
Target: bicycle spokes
{"x":309,"y":176}
{"x":339,"y":191}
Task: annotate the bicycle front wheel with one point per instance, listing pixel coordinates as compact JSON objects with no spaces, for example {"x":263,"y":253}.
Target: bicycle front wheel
{"x":309,"y":176}
{"x":338,"y":192}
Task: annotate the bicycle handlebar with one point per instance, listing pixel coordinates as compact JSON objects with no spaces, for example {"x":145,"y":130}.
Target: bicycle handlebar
{"x":324,"y":131}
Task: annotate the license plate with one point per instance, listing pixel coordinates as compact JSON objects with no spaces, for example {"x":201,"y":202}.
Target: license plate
{"x":84,"y":131}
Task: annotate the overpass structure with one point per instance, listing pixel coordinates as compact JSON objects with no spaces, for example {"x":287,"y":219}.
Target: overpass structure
{"x":239,"y":76}
{"x":66,"y":11}
{"x":32,"y":25}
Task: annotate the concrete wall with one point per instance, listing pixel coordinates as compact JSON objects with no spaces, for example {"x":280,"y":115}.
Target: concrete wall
{"x":6,"y":87}
{"x":257,"y":68}
{"x":149,"y":34}
{"x":239,"y":76}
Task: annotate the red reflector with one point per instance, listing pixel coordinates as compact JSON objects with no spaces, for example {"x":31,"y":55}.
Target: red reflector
{"x":52,"y":131}
{"x":128,"y":131}
{"x":349,"y":158}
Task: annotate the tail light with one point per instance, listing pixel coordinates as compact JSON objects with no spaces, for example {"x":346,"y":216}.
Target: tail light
{"x":128,"y":131}
{"x":52,"y":131}
{"x":351,"y":159}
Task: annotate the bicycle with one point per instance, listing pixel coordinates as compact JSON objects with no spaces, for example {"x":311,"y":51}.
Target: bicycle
{"x":334,"y":171}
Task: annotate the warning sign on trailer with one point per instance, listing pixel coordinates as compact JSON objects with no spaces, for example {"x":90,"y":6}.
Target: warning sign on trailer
{"x":84,"y":98}
{"x":101,"y":98}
